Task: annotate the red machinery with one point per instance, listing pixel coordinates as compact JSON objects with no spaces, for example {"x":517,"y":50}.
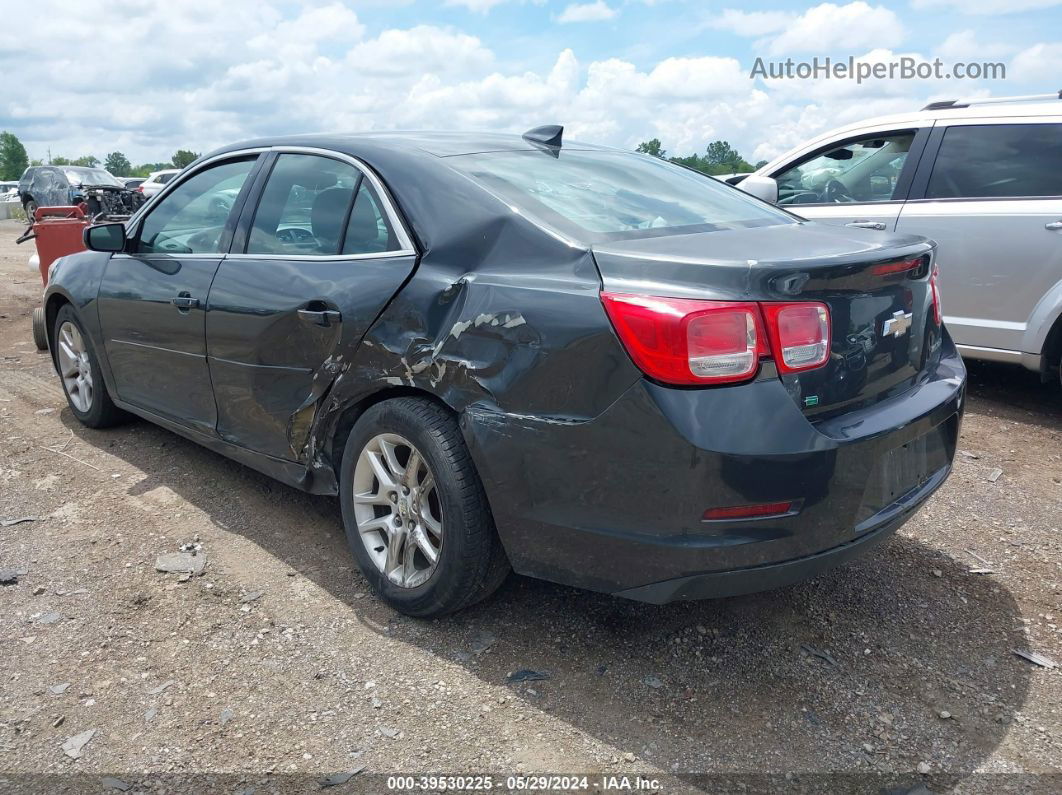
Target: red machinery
{"x":58,"y":231}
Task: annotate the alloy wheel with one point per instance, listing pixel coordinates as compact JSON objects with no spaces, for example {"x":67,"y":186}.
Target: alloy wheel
{"x":397,"y":510}
{"x":75,"y":367}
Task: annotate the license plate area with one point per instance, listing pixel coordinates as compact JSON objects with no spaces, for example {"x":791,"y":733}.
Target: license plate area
{"x":907,"y":468}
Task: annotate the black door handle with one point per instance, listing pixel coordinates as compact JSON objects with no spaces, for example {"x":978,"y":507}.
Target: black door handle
{"x":184,"y":301}
{"x":321,"y":317}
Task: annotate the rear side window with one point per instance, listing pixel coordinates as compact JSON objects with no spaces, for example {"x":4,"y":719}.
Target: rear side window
{"x":998,"y":161}
{"x":318,"y":206}
{"x":162,"y":179}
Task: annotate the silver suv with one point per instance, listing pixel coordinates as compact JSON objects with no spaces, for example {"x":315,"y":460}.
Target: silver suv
{"x":981,"y":177}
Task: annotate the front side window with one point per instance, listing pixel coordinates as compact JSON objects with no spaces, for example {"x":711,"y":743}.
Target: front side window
{"x":998,"y":161}
{"x":867,"y":170}
{"x":191,"y":219}
{"x":599,"y":196}
{"x":318,"y":206}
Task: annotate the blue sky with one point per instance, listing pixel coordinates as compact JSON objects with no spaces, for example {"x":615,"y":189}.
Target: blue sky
{"x":147,"y":77}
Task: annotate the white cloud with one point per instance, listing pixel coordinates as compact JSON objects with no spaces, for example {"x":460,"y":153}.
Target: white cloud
{"x":965,"y":46}
{"x":1033,"y":63}
{"x":751,"y":23}
{"x":597,"y":11}
{"x":828,"y":27}
{"x":987,"y":7}
{"x":478,"y":6}
{"x":200,"y":74}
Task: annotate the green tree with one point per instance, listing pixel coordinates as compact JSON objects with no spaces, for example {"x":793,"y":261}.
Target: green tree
{"x":721,"y":153}
{"x":719,"y":158}
{"x":651,"y":147}
{"x":118,"y":164}
{"x":146,"y":168}
{"x":62,"y":161}
{"x":13,"y":158}
{"x":760,"y":164}
{"x":89,"y":161}
{"x":184,"y":157}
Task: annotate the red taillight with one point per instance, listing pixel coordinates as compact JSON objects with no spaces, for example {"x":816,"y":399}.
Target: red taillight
{"x":800,"y":335}
{"x":934,"y":287}
{"x":748,"y":511}
{"x":890,"y":268}
{"x":683,"y":341}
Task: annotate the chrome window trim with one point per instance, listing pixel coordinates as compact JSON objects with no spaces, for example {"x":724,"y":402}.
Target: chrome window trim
{"x":405,"y":240}
{"x":181,"y":178}
{"x":325,"y":257}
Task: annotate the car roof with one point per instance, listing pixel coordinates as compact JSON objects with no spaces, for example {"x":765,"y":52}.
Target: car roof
{"x":994,"y":112}
{"x":1002,"y":111}
{"x":440,"y":144}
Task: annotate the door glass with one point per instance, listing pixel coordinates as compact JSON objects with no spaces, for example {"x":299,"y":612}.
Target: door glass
{"x":861,"y":171}
{"x":998,"y":161}
{"x":303,"y":207}
{"x":368,"y":231}
{"x":191,"y":219}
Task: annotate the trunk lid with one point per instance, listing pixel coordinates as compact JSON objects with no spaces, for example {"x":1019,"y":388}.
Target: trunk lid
{"x":883,"y":335}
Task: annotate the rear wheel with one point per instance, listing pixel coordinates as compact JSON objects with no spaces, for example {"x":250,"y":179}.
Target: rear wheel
{"x":30,"y":206}
{"x":79,"y":371}
{"x":414,"y":510}
{"x":40,"y":329}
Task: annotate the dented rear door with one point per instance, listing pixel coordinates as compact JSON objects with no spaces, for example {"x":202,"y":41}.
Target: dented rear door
{"x":322,"y":254}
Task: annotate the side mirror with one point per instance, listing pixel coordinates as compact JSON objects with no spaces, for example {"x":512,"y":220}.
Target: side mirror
{"x":105,"y":237}
{"x":765,"y":188}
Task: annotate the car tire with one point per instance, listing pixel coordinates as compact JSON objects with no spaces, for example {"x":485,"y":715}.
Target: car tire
{"x":40,"y":329}
{"x":79,"y":372}
{"x":444,"y":492}
{"x":30,"y":207}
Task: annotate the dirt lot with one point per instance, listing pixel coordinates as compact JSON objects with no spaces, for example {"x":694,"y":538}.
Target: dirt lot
{"x":279,"y":667}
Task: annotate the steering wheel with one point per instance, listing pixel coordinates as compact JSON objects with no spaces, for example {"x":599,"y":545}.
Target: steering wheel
{"x":205,"y":241}
{"x":836,"y":192}
{"x":294,"y":234}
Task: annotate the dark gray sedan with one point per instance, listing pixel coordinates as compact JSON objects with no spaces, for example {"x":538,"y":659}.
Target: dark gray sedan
{"x":586,"y":365}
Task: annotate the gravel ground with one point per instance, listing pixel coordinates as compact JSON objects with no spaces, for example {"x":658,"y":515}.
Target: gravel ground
{"x":278,"y":667}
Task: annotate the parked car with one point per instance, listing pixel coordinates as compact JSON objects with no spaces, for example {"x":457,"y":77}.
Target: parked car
{"x":8,"y":191}
{"x":132,"y":182}
{"x":156,"y":181}
{"x":594,"y":366}
{"x":984,"y":180}
{"x":60,"y":186}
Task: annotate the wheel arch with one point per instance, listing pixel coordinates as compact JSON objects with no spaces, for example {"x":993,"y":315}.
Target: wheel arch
{"x":346,"y":416}
{"x":1052,"y":353}
{"x":52,"y":305}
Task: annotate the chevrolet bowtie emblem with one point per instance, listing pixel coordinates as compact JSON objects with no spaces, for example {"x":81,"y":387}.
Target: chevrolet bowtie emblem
{"x":897,"y":324}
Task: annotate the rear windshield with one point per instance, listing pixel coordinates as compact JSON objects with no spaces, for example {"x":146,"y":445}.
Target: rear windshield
{"x":600,"y":196}
{"x":162,"y":179}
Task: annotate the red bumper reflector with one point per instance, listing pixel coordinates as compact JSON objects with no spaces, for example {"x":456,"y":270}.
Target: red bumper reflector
{"x":748,"y":511}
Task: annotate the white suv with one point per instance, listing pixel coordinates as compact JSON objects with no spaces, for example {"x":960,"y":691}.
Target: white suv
{"x":984,"y":179}
{"x":156,"y":181}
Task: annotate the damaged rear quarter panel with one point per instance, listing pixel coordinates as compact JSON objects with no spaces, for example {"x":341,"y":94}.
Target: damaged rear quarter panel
{"x":501,"y":321}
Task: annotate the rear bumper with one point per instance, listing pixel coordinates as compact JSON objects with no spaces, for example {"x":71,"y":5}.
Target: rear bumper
{"x":735,"y":582}
{"x":614,"y":503}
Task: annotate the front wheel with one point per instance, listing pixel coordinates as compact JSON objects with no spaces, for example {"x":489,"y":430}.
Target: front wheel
{"x":79,"y":370}
{"x":415,"y":512}
{"x":30,"y":207}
